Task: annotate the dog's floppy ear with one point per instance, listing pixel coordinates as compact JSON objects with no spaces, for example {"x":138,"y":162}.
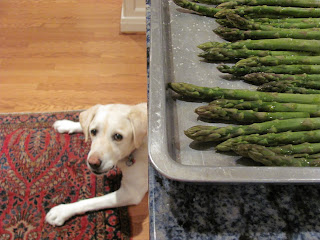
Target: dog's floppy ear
{"x":138,"y":117}
{"x":86,"y":118}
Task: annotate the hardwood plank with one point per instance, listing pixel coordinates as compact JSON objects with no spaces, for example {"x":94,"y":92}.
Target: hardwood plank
{"x":69,"y":55}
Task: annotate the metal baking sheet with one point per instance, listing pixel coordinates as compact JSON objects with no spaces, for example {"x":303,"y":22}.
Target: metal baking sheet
{"x":175,"y":35}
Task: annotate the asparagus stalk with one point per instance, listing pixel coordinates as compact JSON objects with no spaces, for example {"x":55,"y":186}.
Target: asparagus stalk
{"x":278,"y":60}
{"x":286,"y":87}
{"x":265,"y":15}
{"x":301,"y":25}
{"x":212,"y":2}
{"x":286,"y":20}
{"x":214,"y":112}
{"x":253,"y":25}
{"x":272,"y":10}
{"x":312,"y":109}
{"x":234,"y":34}
{"x":279,"y":150}
{"x":235,"y":21}
{"x":300,"y":84}
{"x":309,"y":148}
{"x":309,"y":156}
{"x":224,"y":54}
{"x":208,"y":45}
{"x":283,"y":3}
{"x":269,"y":158}
{"x":261,"y":78}
{"x":272,"y":139}
{"x":285,"y":69}
{"x":210,"y":94}
{"x":269,"y":44}
{"x":216,"y":134}
{"x":204,"y":10}
{"x":225,"y":23}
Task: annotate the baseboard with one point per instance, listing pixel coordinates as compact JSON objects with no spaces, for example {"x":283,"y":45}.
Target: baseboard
{"x":130,"y":24}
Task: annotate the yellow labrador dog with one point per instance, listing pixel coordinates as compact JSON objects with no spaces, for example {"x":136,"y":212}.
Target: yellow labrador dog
{"x":119,"y":138}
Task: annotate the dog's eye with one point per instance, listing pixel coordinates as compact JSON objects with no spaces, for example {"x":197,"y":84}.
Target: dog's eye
{"x":94,"y":132}
{"x":117,"y":137}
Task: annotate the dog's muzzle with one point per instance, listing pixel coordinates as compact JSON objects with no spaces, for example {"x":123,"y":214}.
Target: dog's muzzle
{"x":94,"y":163}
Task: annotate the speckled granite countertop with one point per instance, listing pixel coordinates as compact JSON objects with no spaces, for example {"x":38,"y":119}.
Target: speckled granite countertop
{"x":191,"y":211}
{"x":181,"y":210}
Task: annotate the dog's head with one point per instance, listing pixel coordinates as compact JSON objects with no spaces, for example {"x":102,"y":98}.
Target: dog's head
{"x":116,"y":130}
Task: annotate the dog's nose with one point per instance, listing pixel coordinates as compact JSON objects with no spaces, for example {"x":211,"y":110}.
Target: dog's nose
{"x":94,"y":162}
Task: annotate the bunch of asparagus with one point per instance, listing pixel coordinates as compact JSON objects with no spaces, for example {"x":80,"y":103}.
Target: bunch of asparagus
{"x":267,"y":29}
{"x":284,"y":129}
{"x":257,"y":8}
{"x":275,"y":45}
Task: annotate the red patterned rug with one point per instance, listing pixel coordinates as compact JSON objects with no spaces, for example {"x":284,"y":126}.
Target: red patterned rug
{"x":40,"y":169}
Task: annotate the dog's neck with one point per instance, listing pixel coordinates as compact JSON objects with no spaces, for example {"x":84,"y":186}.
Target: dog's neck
{"x":128,"y":161}
{"x":135,"y":156}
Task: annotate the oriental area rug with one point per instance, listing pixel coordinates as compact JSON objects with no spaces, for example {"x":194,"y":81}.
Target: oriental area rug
{"x":39,"y":169}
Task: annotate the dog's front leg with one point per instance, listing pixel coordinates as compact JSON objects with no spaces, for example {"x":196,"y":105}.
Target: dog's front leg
{"x":122,"y":197}
{"x":67,"y":126}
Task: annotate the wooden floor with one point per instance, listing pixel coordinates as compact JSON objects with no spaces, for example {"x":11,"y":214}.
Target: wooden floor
{"x":69,"y":55}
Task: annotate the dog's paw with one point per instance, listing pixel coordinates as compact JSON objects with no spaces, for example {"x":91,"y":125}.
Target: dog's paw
{"x":58,"y":215}
{"x":66,"y":126}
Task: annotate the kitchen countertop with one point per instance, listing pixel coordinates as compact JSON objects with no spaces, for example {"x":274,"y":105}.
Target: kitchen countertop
{"x":191,"y":211}
{"x":180,"y":210}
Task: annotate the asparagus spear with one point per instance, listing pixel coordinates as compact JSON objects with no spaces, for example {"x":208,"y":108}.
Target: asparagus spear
{"x":210,"y":94}
{"x":283,"y":3}
{"x":234,"y":34}
{"x":214,"y":112}
{"x":293,"y":84}
{"x":204,"y":10}
{"x":312,"y":109}
{"x":286,"y":87}
{"x":224,"y":54}
{"x":273,"y":10}
{"x":260,"y":78}
{"x":208,"y":45}
{"x":269,"y":44}
{"x":236,"y":21}
{"x":211,"y":133}
{"x":278,"y":60}
{"x":272,"y":139}
{"x":286,"y":20}
{"x":269,"y":26}
{"x":264,"y":15}
{"x":212,"y":2}
{"x":225,"y":23}
{"x":282,"y":150}
{"x":285,"y":69}
{"x":301,"y":25}
{"x":269,"y":158}
{"x":309,"y":156}
{"x":309,"y":148}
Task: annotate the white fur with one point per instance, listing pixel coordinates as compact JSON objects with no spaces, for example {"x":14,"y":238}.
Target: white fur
{"x":131,"y":123}
{"x":67,"y":126}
